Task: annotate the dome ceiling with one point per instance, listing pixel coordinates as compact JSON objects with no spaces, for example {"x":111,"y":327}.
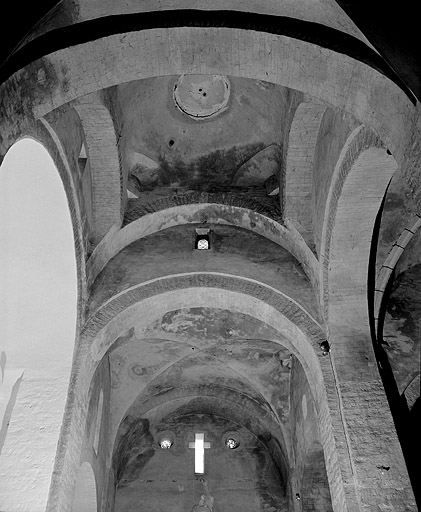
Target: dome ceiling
{"x":204,"y":133}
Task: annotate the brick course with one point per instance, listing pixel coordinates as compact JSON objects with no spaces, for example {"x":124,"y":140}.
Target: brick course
{"x":105,"y":168}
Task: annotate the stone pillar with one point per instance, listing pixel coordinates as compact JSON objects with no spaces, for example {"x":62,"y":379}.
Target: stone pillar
{"x":372,"y":464}
{"x":103,"y":157}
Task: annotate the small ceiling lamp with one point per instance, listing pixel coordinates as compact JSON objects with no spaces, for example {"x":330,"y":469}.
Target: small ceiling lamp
{"x":202,"y":241}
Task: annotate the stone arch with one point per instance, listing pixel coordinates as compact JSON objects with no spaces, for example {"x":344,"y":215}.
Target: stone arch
{"x":45,"y":132}
{"x":156,"y":52}
{"x":390,"y":263}
{"x":285,"y":236}
{"x":153,"y":299}
{"x":359,"y":183}
{"x":38,"y":345}
{"x":205,"y":282}
{"x":299,"y":166}
{"x":108,"y":196}
{"x":361,"y":175}
{"x":85,"y":496}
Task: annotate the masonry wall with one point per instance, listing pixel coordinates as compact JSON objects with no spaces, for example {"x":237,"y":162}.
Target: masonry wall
{"x":310,"y":488}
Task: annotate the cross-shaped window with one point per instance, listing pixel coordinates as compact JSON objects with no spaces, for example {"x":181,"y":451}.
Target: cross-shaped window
{"x":199,"y":446}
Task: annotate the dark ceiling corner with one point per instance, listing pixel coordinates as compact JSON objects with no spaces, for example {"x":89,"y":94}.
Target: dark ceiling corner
{"x":394,"y":32}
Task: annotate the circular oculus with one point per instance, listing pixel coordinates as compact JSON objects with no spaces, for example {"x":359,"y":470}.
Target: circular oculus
{"x":201,"y":96}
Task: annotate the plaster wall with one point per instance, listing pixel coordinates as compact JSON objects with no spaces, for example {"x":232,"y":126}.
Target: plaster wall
{"x":326,"y":12}
{"x":33,"y":429}
{"x":246,"y":478}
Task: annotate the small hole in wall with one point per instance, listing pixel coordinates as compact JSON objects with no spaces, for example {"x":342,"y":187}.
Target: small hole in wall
{"x":171,"y":143}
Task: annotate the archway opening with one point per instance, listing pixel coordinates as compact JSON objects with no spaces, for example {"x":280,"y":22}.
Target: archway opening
{"x":37,"y":318}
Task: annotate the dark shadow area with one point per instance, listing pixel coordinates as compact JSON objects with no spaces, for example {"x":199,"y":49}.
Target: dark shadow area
{"x":407,"y":423}
{"x":393,"y":29}
{"x":21,"y":18}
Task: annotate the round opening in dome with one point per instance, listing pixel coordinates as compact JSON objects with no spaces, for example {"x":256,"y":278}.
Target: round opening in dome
{"x":201,"y":96}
